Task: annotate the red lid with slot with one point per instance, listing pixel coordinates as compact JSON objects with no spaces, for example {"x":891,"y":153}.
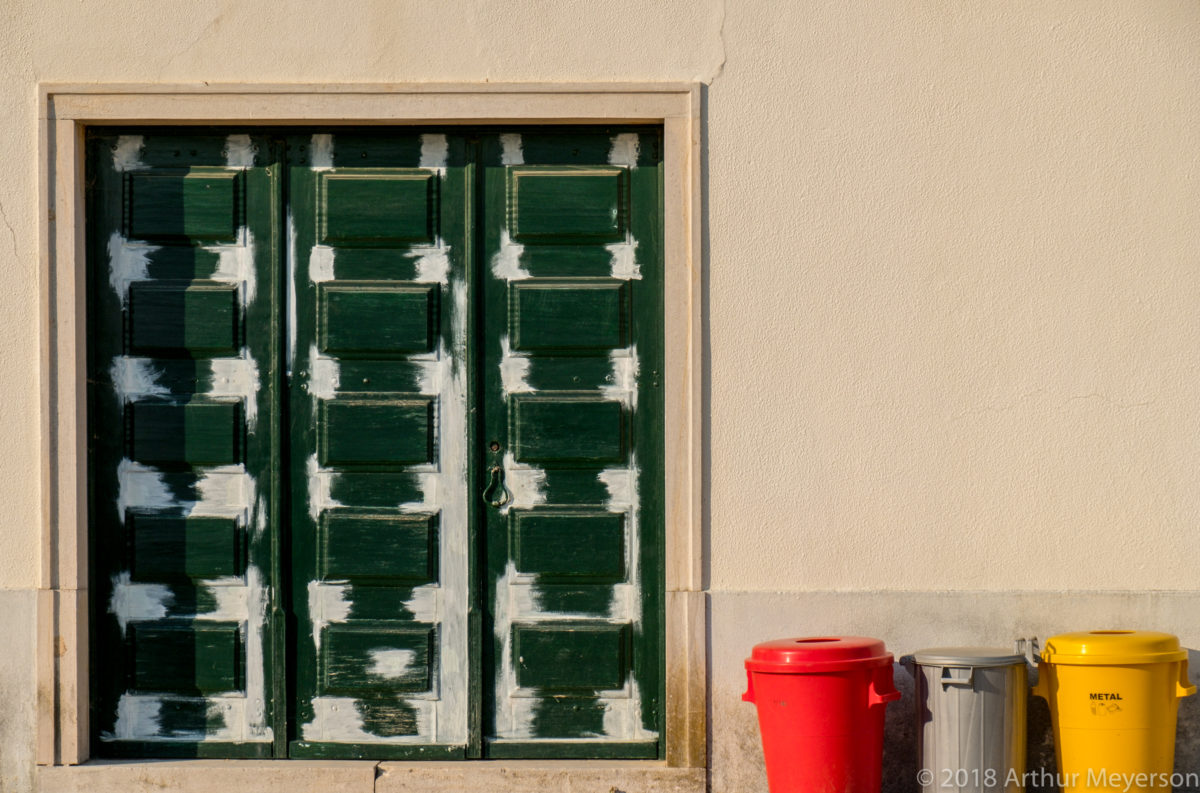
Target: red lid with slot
{"x":818,"y":654}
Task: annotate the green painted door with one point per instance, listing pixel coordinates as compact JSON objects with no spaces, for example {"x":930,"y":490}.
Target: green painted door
{"x":184,"y":444}
{"x":376,"y":463}
{"x":381,"y":502}
{"x":572,"y":408}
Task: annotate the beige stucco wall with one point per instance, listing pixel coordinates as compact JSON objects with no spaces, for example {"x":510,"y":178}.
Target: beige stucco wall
{"x":954,"y":296}
{"x":953,"y":302}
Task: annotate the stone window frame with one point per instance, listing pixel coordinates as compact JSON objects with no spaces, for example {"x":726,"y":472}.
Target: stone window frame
{"x":65,"y":111}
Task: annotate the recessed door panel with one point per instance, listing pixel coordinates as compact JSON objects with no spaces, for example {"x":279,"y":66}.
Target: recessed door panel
{"x":378,"y":206}
{"x":569,"y":315}
{"x":374,"y":320}
{"x":197,"y":203}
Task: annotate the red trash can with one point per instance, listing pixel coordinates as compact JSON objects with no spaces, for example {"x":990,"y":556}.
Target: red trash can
{"x":821,"y":703}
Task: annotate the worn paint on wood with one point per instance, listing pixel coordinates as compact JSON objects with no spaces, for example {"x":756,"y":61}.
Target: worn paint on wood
{"x":386,"y":457}
{"x":575,"y":264}
{"x":178,"y":343}
{"x":380,"y":323}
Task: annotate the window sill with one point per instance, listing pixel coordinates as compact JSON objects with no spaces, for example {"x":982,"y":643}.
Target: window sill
{"x":368,"y":776}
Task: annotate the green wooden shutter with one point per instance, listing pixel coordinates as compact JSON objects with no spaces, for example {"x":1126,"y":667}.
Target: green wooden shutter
{"x":182,"y":430}
{"x":572,"y":297}
{"x":380,"y":509}
{"x":363,"y":374}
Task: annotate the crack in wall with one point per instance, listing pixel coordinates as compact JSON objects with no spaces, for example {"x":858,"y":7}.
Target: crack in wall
{"x":208,"y":30}
{"x":998,"y":408}
{"x":1114,"y":402}
{"x":721,"y":43}
{"x":1024,"y":398}
{"x":11,"y":232}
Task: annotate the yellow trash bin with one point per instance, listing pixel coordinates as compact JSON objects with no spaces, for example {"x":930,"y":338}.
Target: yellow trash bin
{"x":1114,"y":696}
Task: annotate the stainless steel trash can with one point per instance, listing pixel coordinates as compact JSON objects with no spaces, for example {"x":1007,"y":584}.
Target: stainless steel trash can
{"x":970,"y":708}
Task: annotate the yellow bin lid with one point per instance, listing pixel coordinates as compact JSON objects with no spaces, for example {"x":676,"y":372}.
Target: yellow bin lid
{"x":1113,"y":647}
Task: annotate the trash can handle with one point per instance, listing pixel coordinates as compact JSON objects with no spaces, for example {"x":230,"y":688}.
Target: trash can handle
{"x":961,"y":682}
{"x":749,"y":695}
{"x":1184,"y":688}
{"x":877,"y":697}
{"x":1028,"y":647}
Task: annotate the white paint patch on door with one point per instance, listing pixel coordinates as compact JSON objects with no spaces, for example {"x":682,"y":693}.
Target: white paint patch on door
{"x":236,"y":378}
{"x":623,"y":713}
{"x":255,"y":715}
{"x":626,"y":602}
{"x":390,"y":663}
{"x":328,"y":601}
{"x":511,"y":720}
{"x":435,"y":152}
{"x":624,"y":150}
{"x":141,"y":486}
{"x":525,"y":483}
{"x":320,"y":264}
{"x":320,"y":489}
{"x":337,"y":720}
{"x":511,"y":152}
{"x":428,"y":483}
{"x":514,"y":369}
{"x":446,"y":490}
{"x":229,"y":595}
{"x":259,"y":521}
{"x":138,"y":717}
{"x":321,"y":155}
{"x":425,"y":603}
{"x":239,"y":152}
{"x":522,"y":712}
{"x":622,"y":486}
{"x":134,"y":378}
{"x":506,"y":262}
{"x":128,"y":261}
{"x":226,"y":711}
{"x":622,"y":382}
{"x":222,"y":491}
{"x":235,"y":265}
{"x":135,"y":602}
{"x":127,"y":153}
{"x":325,"y":375}
{"x":291,"y":294}
{"x":433,"y":262}
{"x":430,"y":374}
{"x":623,"y":264}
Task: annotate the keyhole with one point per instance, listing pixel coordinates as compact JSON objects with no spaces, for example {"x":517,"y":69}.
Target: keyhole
{"x":494,"y":446}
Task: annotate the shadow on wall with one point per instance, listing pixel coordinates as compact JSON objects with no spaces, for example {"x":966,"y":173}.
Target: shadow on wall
{"x":900,"y":737}
{"x":1039,"y":754}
